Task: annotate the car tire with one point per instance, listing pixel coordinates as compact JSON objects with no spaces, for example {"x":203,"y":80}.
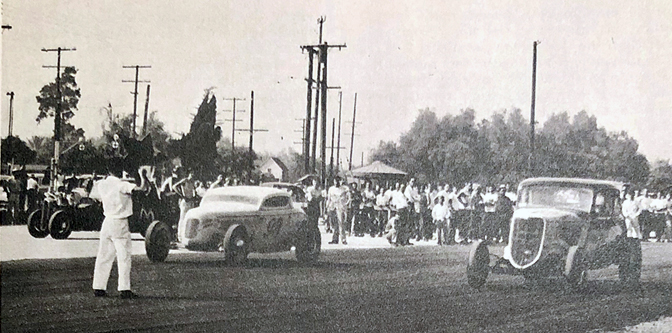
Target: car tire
{"x":478,"y":265}
{"x":60,"y":225}
{"x":575,"y":272}
{"x":308,"y":246}
{"x":34,"y":223}
{"x":630,"y":265}
{"x":157,"y":241}
{"x":236,"y":245}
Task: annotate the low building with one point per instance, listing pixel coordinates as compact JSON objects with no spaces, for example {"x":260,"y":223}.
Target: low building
{"x":273,"y":169}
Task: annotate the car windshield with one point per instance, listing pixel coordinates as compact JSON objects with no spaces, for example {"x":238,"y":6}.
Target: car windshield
{"x":556,"y":196}
{"x":230,"y":198}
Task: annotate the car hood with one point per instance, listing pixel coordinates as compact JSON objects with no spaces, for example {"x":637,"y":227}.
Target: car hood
{"x":221,"y":209}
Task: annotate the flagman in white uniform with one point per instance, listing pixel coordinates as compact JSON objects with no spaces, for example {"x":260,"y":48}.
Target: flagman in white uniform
{"x":115,"y":237}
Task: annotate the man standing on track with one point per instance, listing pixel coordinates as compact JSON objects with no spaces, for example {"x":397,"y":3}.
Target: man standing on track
{"x":338,"y":199}
{"x":115,"y":236}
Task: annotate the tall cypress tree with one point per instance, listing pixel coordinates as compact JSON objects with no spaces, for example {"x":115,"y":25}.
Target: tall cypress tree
{"x":200,"y":144}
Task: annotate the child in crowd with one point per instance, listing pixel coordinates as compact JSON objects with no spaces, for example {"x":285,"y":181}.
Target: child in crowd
{"x":391,"y":228}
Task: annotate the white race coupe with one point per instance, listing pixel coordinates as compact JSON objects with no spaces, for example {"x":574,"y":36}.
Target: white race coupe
{"x":238,"y":220}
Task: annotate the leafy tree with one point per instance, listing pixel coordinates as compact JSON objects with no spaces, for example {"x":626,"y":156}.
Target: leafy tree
{"x":455,"y":149}
{"x":84,"y":157}
{"x":661,"y":175}
{"x":43,"y":147}
{"x":14,"y":149}
{"x":386,"y":152}
{"x":48,"y":97}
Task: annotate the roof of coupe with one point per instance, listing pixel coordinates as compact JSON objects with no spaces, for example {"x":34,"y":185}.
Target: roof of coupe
{"x":573,"y":181}
{"x":252,"y":191}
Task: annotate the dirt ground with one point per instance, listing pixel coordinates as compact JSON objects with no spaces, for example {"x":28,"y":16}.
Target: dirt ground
{"x":412,"y":289}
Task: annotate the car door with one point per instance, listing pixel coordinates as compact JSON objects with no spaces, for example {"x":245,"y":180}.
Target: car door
{"x":605,"y":226}
{"x":276,"y":217}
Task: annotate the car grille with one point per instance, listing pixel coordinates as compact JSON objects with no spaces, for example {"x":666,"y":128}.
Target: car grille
{"x":526,"y":240}
{"x":191,"y":228}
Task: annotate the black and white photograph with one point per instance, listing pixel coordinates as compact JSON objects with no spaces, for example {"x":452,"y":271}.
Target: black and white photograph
{"x":336,"y":166}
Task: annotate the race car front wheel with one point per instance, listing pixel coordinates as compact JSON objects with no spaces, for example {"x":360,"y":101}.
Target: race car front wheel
{"x":235,"y":245}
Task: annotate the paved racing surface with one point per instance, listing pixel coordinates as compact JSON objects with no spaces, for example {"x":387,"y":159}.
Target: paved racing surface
{"x":411,"y":289}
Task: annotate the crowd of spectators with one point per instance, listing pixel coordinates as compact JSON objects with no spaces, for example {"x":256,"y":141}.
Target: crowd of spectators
{"x":403,"y":212}
{"x":444,"y":213}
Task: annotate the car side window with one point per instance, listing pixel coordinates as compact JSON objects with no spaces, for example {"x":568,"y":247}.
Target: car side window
{"x":276,"y":202}
{"x":604,"y":205}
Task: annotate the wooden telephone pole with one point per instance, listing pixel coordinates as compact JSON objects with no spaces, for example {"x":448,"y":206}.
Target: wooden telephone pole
{"x":321,"y":50}
{"x":135,"y":92}
{"x":532,"y":121}
{"x":57,"y":115}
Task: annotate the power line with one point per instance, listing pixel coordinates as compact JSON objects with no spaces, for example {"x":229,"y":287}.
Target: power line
{"x":135,"y":92}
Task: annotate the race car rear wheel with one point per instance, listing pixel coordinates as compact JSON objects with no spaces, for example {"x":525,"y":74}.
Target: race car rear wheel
{"x":35,"y":227}
{"x":60,"y":226}
{"x":157,"y":241}
{"x":308,"y":246}
{"x":478,"y":266}
{"x":236,"y":245}
{"x":630,"y":265}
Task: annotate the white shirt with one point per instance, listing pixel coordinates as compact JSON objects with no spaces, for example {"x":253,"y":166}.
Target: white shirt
{"x":490,"y":199}
{"x":399,"y":200}
{"x":115,"y":195}
{"x":31,"y":184}
{"x":440,"y":212}
{"x":631,"y":210}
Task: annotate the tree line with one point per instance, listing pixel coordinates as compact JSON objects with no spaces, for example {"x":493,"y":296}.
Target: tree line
{"x":459,"y":149}
{"x":202,"y":150}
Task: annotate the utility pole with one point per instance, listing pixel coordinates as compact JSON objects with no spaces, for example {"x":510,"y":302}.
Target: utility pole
{"x":352,"y":135}
{"x":307,"y":120}
{"x":57,"y":115}
{"x":331,"y":160}
{"x":251,"y":130}
{"x":338,"y":151}
{"x":532,"y":121}
{"x":144,"y":119}
{"x":320,"y":113}
{"x":135,"y":92}
{"x":233,"y":121}
{"x":11,"y":112}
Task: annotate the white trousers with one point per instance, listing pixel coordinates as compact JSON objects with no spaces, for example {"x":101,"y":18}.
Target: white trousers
{"x":115,"y":239}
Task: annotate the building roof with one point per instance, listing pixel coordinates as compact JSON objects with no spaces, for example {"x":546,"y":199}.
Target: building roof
{"x":276,"y":161}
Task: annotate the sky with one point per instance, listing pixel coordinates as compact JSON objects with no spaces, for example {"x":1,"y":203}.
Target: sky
{"x":609,"y":58}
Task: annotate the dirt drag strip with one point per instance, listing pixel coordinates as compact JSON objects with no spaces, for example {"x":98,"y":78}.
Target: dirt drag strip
{"x":386,"y":289}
